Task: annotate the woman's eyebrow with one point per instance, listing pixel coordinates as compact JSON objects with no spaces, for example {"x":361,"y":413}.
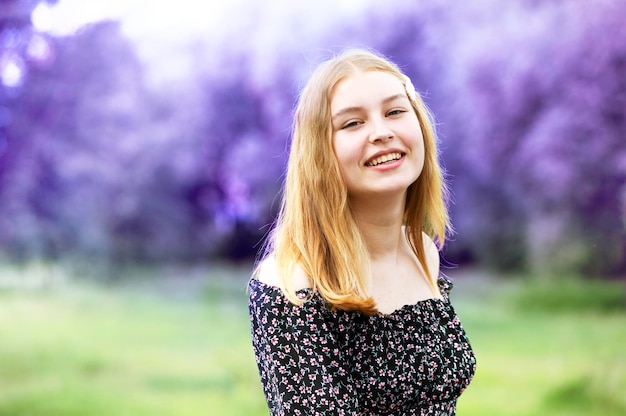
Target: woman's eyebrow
{"x":356,"y":109}
{"x":395,"y":97}
{"x":346,"y":111}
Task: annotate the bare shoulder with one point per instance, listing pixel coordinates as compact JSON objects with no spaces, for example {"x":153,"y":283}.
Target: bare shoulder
{"x":268,"y":273}
{"x":432,"y":255}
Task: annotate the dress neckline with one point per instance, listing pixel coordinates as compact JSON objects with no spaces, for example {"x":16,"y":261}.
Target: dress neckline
{"x":396,"y":313}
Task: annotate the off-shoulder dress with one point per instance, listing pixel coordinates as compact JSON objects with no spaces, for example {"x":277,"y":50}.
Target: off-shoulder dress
{"x":314,"y":360}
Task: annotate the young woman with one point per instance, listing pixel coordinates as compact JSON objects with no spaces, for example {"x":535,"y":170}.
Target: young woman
{"x":349,"y":313}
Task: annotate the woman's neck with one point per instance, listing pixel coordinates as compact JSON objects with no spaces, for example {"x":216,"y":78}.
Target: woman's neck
{"x":380,"y":222}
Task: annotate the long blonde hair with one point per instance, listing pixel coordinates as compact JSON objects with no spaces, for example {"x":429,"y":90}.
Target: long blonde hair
{"x":315,"y":228}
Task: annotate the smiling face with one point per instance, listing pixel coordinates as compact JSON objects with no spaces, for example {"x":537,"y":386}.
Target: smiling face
{"x":377,"y":137}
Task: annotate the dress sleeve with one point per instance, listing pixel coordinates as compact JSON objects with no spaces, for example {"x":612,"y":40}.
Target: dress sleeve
{"x":300,"y":363}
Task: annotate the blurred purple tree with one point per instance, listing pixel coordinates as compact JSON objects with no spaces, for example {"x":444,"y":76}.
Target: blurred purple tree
{"x":540,"y":125}
{"x":530,"y":101}
{"x":71,"y":139}
{"x":97,"y":167}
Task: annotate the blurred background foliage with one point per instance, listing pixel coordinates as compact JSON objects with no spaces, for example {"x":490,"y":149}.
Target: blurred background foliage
{"x":103,"y":160}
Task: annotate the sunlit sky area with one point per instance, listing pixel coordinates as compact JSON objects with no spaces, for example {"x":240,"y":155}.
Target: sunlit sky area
{"x":162,"y":30}
{"x":182,"y":19}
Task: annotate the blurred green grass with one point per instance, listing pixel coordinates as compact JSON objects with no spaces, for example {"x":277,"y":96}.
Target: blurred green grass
{"x":175,"y":341}
{"x":545,"y":346}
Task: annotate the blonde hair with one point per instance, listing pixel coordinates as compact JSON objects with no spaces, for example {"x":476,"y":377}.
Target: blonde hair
{"x":315,"y":228}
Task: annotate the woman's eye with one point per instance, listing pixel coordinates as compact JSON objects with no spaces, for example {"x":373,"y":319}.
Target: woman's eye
{"x":396,"y":112}
{"x":350,"y":124}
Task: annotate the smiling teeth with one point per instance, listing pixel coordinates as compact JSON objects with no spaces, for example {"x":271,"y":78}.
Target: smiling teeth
{"x":383,"y":159}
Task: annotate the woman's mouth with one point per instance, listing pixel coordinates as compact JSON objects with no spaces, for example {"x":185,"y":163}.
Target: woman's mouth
{"x":388,"y":158}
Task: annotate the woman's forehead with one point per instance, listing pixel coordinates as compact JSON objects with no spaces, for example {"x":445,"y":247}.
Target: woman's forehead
{"x":365,"y":86}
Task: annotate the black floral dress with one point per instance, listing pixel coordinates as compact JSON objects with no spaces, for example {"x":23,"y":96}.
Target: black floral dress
{"x":316,"y":361}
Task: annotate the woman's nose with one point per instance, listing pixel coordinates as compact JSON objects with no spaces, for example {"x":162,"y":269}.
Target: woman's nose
{"x":380,"y":132}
